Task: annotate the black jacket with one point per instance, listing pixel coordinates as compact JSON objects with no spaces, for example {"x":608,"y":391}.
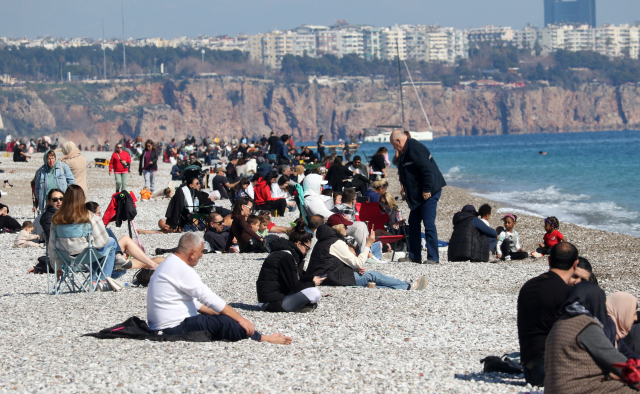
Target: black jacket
{"x":216,"y":240}
{"x":153,"y":159}
{"x":177,"y":211}
{"x":336,"y":176}
{"x":45,"y":221}
{"x":322,"y":262}
{"x":279,"y":274}
{"x":467,"y":242}
{"x":125,"y":210}
{"x":377,"y":163}
{"x":418,"y":173}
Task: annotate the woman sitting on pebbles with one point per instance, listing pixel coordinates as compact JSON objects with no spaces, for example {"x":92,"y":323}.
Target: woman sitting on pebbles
{"x":126,"y":245}
{"x":6,"y":221}
{"x":334,"y":259}
{"x":579,"y":357}
{"x":247,"y":239}
{"x":73,"y":211}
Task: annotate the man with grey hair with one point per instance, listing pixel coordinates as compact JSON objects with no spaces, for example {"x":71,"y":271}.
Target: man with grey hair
{"x":423,"y":183}
{"x":176,"y":295}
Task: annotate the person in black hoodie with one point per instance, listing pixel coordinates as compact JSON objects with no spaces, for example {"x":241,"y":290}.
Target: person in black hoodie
{"x":6,"y":221}
{"x":279,"y":286}
{"x":472,"y":239}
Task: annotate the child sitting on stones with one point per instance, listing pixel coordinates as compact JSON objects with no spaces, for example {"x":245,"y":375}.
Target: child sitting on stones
{"x":25,"y":238}
{"x":508,"y":246}
{"x":551,"y":238}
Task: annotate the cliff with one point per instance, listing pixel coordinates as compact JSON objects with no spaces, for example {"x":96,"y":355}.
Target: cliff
{"x":167,"y":109}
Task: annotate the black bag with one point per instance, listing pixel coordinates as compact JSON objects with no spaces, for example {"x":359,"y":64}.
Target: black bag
{"x":124,"y":164}
{"x":496,"y":364}
{"x":143,"y":276}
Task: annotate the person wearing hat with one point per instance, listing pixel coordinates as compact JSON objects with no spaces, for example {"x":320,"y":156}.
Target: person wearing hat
{"x":472,"y":239}
{"x":332,"y":258}
{"x":221,"y":184}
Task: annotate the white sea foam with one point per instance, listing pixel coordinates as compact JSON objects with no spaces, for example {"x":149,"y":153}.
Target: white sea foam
{"x":454,"y":174}
{"x":579,"y":209}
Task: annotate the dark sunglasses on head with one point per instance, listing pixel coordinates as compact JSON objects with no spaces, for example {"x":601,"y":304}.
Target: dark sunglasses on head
{"x":56,"y":199}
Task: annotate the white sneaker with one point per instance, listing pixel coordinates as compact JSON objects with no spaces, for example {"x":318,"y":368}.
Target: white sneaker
{"x":508,"y":258}
{"x":536,"y":255}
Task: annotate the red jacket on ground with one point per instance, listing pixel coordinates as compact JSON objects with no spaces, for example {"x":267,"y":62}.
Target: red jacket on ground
{"x":262,"y":192}
{"x":115,"y":165}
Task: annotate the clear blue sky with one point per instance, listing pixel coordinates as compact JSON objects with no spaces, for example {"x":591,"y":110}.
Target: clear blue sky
{"x":172,"y":18}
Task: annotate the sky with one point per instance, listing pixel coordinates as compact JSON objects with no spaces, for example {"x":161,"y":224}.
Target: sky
{"x":171,"y":18}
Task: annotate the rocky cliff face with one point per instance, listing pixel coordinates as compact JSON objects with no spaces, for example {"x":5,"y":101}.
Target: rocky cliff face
{"x":171,"y":109}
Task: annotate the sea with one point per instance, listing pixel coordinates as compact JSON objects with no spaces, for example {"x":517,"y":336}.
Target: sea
{"x":588,"y":178}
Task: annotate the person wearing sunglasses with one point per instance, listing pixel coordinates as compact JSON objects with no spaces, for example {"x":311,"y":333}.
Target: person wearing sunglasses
{"x":248,"y":240}
{"x":279,"y":286}
{"x":54,"y":202}
{"x":120,"y":163}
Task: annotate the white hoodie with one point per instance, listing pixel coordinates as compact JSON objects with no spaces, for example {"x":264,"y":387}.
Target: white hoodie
{"x":314,"y":202}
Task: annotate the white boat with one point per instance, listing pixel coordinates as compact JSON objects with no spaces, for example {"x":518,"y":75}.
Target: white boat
{"x":385,"y":135}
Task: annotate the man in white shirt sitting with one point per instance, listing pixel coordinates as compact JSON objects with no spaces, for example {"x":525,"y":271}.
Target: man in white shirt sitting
{"x":176,"y":295}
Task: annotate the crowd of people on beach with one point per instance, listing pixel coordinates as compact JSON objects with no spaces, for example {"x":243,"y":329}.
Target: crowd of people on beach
{"x":572,"y":337}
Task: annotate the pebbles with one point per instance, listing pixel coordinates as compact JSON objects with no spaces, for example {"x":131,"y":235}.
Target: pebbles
{"x":357,"y":340}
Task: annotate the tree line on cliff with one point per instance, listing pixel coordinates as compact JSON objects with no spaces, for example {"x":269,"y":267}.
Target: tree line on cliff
{"x":497,"y":61}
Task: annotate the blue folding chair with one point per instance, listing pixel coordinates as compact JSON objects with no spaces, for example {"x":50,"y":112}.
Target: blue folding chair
{"x":77,"y":271}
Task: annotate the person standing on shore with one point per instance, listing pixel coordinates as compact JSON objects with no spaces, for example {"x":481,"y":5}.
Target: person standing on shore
{"x":120,"y":163}
{"x":423,"y":183}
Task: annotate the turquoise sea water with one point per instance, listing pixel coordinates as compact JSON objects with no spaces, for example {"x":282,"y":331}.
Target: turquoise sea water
{"x":591,"y":179}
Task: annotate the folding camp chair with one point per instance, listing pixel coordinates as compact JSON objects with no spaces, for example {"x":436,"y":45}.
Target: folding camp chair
{"x":370,"y":212}
{"x":77,"y":271}
{"x":299,"y":198}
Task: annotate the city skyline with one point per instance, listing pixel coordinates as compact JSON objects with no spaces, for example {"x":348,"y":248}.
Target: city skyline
{"x":166,"y":19}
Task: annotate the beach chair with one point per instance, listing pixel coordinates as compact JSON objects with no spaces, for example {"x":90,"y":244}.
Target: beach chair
{"x":370,"y":213}
{"x":77,"y":271}
{"x":299,"y":199}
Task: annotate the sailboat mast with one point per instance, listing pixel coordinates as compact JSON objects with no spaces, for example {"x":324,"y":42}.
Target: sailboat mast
{"x":400,"y":85}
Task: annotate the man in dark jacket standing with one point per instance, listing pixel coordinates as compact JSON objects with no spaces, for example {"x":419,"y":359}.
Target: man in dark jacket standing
{"x":423,"y":183}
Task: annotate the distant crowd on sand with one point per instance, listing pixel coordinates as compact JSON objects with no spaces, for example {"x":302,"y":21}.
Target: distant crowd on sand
{"x":341,"y":219}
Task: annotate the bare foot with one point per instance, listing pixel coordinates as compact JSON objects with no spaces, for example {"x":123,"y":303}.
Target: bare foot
{"x":31,"y":270}
{"x":277,"y":338}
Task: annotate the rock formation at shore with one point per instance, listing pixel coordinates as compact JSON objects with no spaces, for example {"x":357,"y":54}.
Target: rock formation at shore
{"x":91,"y":113}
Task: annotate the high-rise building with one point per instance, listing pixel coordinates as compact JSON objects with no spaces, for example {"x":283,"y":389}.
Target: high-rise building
{"x":570,"y":11}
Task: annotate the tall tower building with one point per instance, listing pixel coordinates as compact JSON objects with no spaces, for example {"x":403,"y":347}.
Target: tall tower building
{"x":570,"y":11}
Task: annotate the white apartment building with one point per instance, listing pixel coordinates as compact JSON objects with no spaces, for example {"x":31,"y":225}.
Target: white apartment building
{"x":491,"y":33}
{"x":392,"y":42}
{"x":304,"y":44}
{"x":371,"y":42}
{"x":616,"y":41}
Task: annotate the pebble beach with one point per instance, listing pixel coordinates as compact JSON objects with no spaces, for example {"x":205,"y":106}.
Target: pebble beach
{"x":358,"y":340}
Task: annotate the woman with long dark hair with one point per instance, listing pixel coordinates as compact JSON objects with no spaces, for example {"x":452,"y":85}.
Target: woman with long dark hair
{"x":247,"y":239}
{"x":338,"y":174}
{"x":378,"y":164}
{"x":149,"y":165}
{"x":74,"y":211}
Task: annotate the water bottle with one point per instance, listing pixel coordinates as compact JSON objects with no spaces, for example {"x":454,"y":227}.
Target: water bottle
{"x":127,"y":286}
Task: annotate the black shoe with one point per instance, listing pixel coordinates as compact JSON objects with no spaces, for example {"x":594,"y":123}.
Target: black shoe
{"x":430,"y":262}
{"x":159,"y":251}
{"x":409,"y":260}
{"x":308,"y":308}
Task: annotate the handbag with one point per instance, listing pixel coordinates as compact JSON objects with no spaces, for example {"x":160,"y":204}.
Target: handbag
{"x":124,"y":163}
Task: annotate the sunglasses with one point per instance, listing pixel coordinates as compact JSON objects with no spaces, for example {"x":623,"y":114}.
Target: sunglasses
{"x":56,"y":199}
{"x":220,"y":222}
{"x":118,"y":147}
{"x":197,"y":184}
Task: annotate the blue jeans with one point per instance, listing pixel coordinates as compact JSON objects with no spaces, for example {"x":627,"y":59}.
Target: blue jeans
{"x":376,"y":249}
{"x":383,"y":281}
{"x":220,"y":327}
{"x":425,"y":212}
{"x":109,"y":262}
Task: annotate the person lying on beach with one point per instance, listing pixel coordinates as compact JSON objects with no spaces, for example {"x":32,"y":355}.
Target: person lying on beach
{"x":508,"y":246}
{"x":278,"y":286}
{"x":332,"y":257}
{"x":176,"y":294}
{"x":551,"y":238}
{"x":539,"y":301}
{"x":164,"y":228}
{"x":126,"y":246}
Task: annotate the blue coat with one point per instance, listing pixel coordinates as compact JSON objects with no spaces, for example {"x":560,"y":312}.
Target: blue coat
{"x":418,"y":173}
{"x":63,"y":177}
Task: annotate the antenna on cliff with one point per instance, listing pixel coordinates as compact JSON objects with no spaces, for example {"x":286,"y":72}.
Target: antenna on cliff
{"x":400,"y":83}
{"x":104,"y":51}
{"x":124,"y":51}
